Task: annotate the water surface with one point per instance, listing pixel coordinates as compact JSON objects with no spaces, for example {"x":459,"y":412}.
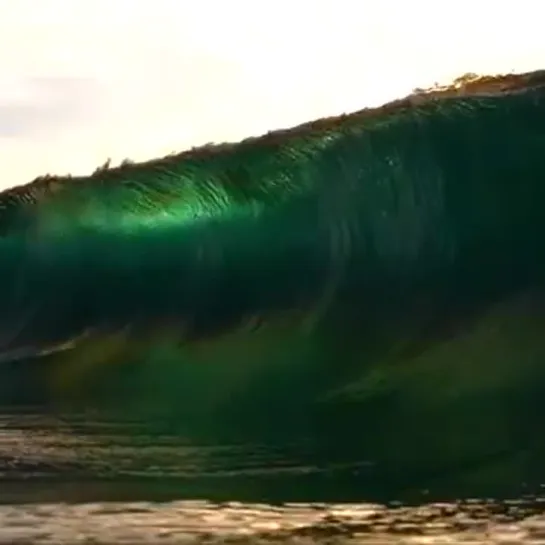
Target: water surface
{"x":75,"y":479}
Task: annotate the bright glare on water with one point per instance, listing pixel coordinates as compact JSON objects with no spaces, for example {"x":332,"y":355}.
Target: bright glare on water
{"x":89,"y":483}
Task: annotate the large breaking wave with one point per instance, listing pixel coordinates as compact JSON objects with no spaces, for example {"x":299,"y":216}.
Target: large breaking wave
{"x":372,"y":282}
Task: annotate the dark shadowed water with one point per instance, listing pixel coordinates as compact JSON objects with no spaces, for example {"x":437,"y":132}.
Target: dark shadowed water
{"x":83,"y":479}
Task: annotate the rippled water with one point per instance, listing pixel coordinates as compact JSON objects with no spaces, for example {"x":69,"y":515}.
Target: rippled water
{"x":79,"y":479}
{"x":205,"y":522}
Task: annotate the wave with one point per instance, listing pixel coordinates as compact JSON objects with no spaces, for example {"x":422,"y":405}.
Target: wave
{"x":373,"y":282}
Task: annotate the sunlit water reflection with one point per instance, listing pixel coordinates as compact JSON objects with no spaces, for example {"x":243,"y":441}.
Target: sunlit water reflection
{"x":86,"y":482}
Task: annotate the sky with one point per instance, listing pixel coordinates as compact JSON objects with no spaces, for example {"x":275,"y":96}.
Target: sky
{"x":87,"y":80}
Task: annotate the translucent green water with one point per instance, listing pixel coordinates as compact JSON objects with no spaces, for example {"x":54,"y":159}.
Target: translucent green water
{"x":370,"y":287}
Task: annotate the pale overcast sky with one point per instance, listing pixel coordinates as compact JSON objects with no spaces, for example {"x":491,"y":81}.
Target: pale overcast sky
{"x":84,"y":80}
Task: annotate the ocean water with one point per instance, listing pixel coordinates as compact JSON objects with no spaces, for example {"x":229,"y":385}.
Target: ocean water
{"x":332,"y":334}
{"x":444,"y":445}
{"x":80,"y":478}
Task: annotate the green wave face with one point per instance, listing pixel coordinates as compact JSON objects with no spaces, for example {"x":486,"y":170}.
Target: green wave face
{"x":374,"y":282}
